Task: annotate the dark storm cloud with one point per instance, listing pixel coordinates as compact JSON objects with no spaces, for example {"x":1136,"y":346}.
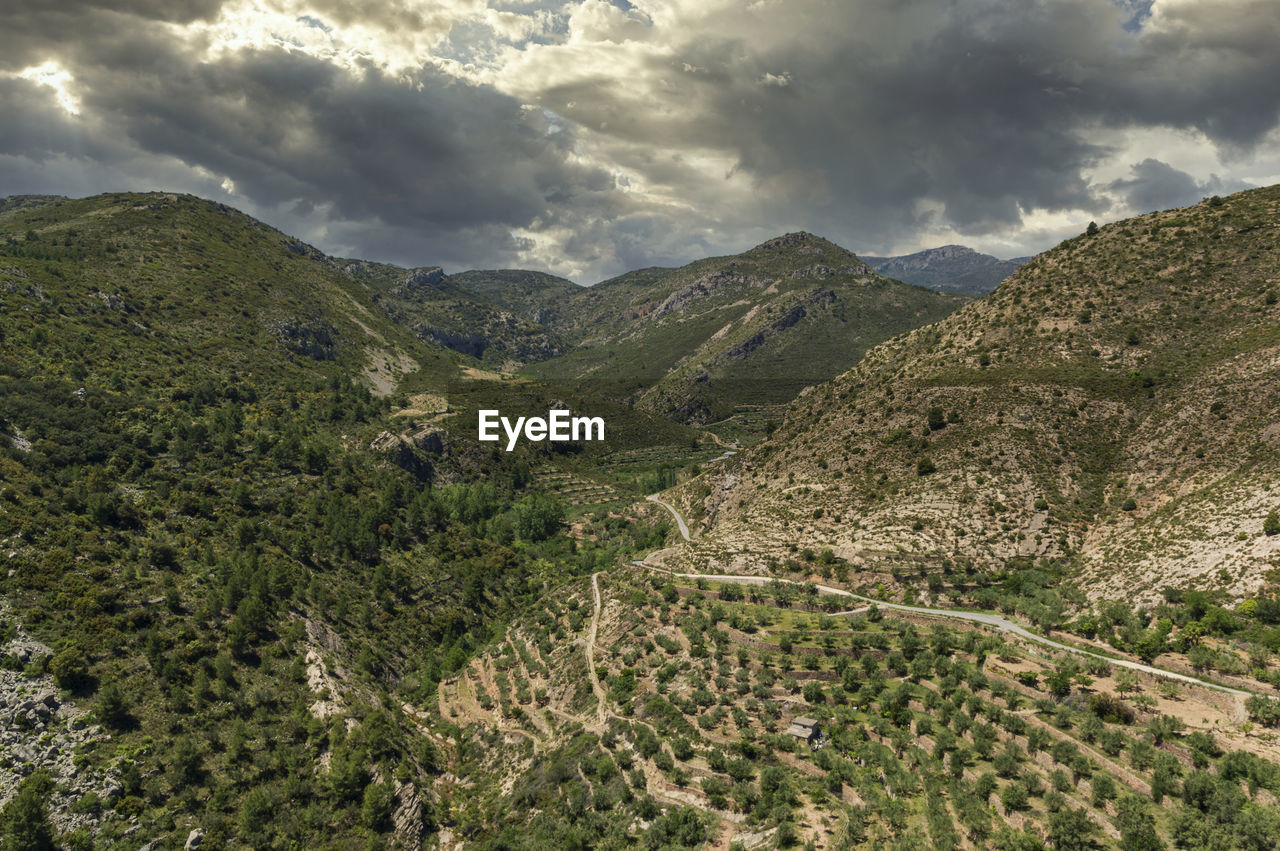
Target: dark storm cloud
{"x":1157,"y":185}
{"x":867,"y":122}
{"x":971,"y":115}
{"x":412,"y":168}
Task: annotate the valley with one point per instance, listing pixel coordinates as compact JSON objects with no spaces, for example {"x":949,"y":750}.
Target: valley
{"x":857,"y":564}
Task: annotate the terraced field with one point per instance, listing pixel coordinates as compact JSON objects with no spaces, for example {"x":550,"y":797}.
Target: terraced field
{"x":574,"y":489}
{"x":933,"y":735}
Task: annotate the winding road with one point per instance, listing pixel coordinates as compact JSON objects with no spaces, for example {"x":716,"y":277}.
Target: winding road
{"x":684,"y":528}
{"x":996,"y":621}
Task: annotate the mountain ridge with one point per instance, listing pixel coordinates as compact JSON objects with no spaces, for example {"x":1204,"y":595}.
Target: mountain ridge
{"x":948,"y":268}
{"x":1040,"y":409}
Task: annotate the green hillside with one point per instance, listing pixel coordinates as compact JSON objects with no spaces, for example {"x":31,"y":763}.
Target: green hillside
{"x":238,"y":557}
{"x":754,"y":329}
{"x":536,"y":296}
{"x":452,"y":312}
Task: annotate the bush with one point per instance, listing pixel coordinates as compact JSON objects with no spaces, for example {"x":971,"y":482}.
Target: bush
{"x":70,"y":669}
{"x":1271,"y":526}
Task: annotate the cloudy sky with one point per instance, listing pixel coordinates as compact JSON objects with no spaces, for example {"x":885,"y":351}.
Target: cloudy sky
{"x":586,"y":138}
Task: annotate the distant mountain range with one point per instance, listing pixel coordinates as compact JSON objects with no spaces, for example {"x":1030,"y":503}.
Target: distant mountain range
{"x":948,"y":269}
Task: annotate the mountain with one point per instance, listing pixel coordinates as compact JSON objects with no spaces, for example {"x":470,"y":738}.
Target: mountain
{"x":698,"y":342}
{"x":1109,"y":408}
{"x":455,"y":313}
{"x":246,"y":533}
{"x":951,"y":268}
{"x":181,"y":289}
{"x":262,"y":587}
{"x":536,"y":296}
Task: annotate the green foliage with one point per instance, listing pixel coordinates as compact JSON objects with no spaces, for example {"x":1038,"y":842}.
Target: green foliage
{"x":538,"y":517}
{"x":24,"y":821}
{"x":70,"y":669}
{"x":112,"y":707}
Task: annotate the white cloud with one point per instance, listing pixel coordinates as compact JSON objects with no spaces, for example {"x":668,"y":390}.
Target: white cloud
{"x":53,"y":76}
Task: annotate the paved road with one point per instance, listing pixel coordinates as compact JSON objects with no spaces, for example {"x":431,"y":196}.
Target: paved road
{"x":684,"y":529}
{"x":1001,"y":623}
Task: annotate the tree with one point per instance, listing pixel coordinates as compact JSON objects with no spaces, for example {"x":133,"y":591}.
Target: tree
{"x":538,"y":517}
{"x":1137,"y":827}
{"x":113,"y":710}
{"x":925,"y":466}
{"x":375,"y":809}
{"x":255,"y":813}
{"x":1271,"y":526}
{"x":24,"y":822}
{"x":70,"y":669}
{"x":1104,"y":789}
{"x":1070,"y":830}
{"x":1014,"y":796}
{"x":1092,"y":229}
{"x":1126,"y":681}
{"x":185,"y":765}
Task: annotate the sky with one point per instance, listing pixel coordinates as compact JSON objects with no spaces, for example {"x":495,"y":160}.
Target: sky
{"x":589,"y":138}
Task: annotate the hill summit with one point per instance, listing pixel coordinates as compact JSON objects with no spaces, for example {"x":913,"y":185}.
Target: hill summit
{"x":1112,"y":404}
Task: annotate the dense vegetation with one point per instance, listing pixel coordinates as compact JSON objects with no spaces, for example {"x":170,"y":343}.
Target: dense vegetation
{"x":261,"y":581}
{"x":253,"y":602}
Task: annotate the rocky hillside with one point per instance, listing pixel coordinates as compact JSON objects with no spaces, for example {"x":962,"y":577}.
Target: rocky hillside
{"x":443,"y":311}
{"x":536,"y":296}
{"x":1112,"y":404}
{"x":950,"y":269}
{"x":755,"y":328}
{"x":178,"y":287}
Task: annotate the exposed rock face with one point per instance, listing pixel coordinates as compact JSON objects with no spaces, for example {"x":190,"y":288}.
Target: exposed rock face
{"x":313,"y":338}
{"x":468,"y":344}
{"x":822,"y":271}
{"x":408,"y":816}
{"x":409,"y":450}
{"x":38,"y":731}
{"x":780,"y":324}
{"x":421,"y":279}
{"x":679,"y":300}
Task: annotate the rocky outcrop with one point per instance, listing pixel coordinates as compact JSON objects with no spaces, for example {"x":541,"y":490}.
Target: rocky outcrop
{"x":412,"y":451}
{"x":41,"y":731}
{"x":778,"y":325}
{"x":420,"y":279}
{"x":707,"y":285}
{"x":409,"y":816}
{"x":822,"y":271}
{"x":311,"y":337}
{"x":467,"y":343}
